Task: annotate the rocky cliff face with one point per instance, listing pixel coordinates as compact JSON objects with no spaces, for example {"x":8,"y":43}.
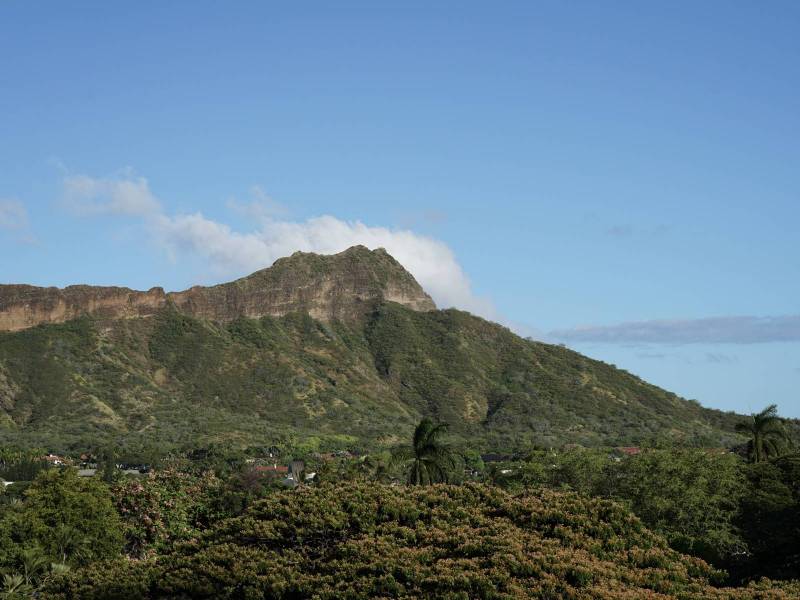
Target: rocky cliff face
{"x":340,"y":286}
{"x":23,"y":306}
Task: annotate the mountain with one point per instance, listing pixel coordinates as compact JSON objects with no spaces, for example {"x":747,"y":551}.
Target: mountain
{"x":327,"y":287}
{"x":321,"y":350}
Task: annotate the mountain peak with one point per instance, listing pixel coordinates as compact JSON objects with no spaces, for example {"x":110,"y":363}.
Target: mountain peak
{"x":339,"y":286}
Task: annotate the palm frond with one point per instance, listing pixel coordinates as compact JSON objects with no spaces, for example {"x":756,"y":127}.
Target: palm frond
{"x":437,"y":432}
{"x":422,"y":432}
{"x":770,"y":412}
{"x":401,"y":454}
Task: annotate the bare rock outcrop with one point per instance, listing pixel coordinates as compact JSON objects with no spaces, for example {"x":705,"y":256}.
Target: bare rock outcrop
{"x":328,"y":287}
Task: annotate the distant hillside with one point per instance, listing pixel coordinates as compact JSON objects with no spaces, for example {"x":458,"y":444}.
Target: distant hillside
{"x":363,"y":372}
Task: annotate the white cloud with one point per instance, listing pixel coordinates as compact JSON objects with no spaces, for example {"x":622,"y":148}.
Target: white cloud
{"x":431,"y":262}
{"x":125,"y":194}
{"x":13,"y":215}
{"x":234,"y":253}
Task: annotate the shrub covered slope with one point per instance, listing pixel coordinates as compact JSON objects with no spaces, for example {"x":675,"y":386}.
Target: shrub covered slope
{"x":175,"y":379}
{"x":369,"y":541}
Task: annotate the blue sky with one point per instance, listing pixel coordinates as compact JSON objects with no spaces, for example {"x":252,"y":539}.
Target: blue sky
{"x":629,"y":170}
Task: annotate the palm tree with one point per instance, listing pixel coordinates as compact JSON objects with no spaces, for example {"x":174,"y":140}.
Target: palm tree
{"x":372,"y":467}
{"x":70,"y":543}
{"x":429,"y":460}
{"x":15,"y":588}
{"x":34,"y":563}
{"x":766,"y":432}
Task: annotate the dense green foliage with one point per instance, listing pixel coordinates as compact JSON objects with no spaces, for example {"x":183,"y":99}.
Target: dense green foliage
{"x":690,"y":496}
{"x":770,"y":519}
{"x":362,"y":541}
{"x":211,"y":525}
{"x":168,"y":506}
{"x":172,"y":381}
{"x":741,"y":517}
{"x":198,"y":400}
{"x":61,"y":520}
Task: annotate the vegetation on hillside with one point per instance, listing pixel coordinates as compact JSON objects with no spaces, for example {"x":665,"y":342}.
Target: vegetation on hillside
{"x":558,"y":510}
{"x":172,"y":382}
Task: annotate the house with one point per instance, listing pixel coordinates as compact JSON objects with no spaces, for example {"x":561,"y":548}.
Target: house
{"x":272,"y":470}
{"x":55,"y":460}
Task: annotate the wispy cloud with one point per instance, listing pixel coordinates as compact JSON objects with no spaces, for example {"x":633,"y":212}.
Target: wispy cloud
{"x":123,"y":194}
{"x":651,"y":355}
{"x":626,"y":230}
{"x":713,"y":330}
{"x":13,"y":215}
{"x":716,"y":358}
{"x":260,"y":207}
{"x":719,"y":358}
{"x":14,"y":220}
{"x":620,"y":231}
{"x":234,"y":253}
{"x":425,"y":218}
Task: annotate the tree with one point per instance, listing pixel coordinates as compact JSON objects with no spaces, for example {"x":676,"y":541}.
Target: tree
{"x":33,"y":570}
{"x":767,"y":435}
{"x":366,"y":540}
{"x":69,"y":519}
{"x":371,"y":467}
{"x":429,"y":460}
{"x":692,"y":497}
{"x":169,"y":505}
{"x":15,"y":588}
{"x":770,"y":519}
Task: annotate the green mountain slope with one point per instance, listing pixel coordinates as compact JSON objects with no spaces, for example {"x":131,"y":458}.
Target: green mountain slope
{"x":176,"y":379}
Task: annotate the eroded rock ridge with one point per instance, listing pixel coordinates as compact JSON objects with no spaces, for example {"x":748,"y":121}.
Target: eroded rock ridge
{"x":340,"y":286}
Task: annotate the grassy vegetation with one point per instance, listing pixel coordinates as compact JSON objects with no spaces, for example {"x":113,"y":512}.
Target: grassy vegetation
{"x":175,"y":381}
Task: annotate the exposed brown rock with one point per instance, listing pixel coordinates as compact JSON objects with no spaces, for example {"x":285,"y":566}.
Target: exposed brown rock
{"x":340,"y":286}
{"x":23,"y":306}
